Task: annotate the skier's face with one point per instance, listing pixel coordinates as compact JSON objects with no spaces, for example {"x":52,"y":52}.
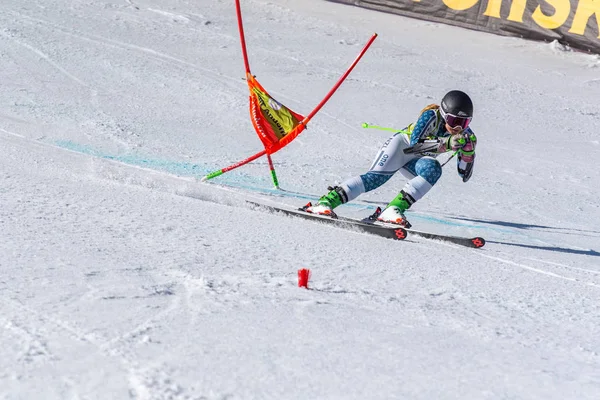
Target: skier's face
{"x":455,"y":123}
{"x":453,"y":130}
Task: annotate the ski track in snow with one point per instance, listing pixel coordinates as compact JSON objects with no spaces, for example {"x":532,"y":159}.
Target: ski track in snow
{"x":238,"y":189}
{"x":215,"y":198}
{"x":547,"y":272}
{"x":477,"y":252}
{"x":147,"y":381}
{"x":46,"y":58}
{"x":216,"y":314}
{"x":228,"y":82}
{"x":224,"y":80}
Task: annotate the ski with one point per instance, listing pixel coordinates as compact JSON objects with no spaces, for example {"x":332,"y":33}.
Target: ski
{"x":474,"y":242}
{"x":391,"y":232}
{"x":372,"y":226}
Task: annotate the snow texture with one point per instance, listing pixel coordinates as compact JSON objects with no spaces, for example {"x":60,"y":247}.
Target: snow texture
{"x":122,"y":275}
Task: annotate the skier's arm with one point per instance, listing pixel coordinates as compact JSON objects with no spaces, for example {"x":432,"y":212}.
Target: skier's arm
{"x":466,"y":156}
{"x":424,"y":127}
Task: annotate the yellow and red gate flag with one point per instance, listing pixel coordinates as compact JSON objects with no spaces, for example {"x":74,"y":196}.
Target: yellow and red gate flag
{"x":275,"y":124}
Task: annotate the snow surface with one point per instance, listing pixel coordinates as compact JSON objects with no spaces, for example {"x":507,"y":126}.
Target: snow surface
{"x":124,"y":276}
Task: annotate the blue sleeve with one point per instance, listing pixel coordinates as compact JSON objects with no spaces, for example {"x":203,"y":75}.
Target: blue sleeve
{"x":469,"y":131}
{"x":424,"y":126}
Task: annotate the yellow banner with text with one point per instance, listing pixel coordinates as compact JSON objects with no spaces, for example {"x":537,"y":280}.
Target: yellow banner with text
{"x":572,"y":22}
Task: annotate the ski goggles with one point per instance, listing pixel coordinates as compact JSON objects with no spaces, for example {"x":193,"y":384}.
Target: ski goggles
{"x":456,"y":121}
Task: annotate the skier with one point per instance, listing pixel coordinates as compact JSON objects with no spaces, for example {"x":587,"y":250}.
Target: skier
{"x":439,"y":129}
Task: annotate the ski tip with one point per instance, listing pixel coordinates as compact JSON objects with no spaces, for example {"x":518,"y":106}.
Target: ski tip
{"x":478,"y":242}
{"x":401,"y":233}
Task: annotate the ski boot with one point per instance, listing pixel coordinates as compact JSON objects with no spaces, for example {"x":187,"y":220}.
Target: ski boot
{"x":394,"y":215}
{"x":394,"y":212}
{"x":336,"y":196}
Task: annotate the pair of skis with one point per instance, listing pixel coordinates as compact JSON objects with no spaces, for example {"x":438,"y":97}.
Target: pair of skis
{"x":373,"y":227}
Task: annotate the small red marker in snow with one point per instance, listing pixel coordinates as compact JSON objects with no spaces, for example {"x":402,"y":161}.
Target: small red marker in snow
{"x":303,"y":277}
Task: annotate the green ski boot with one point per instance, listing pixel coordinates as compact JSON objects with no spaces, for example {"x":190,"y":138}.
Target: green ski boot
{"x":336,"y":197}
{"x":394,"y":212}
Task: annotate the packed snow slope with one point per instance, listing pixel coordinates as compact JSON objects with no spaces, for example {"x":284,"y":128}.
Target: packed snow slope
{"x":124,"y":276}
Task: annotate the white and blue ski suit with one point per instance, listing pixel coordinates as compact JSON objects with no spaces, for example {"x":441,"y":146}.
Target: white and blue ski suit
{"x":423,"y":170}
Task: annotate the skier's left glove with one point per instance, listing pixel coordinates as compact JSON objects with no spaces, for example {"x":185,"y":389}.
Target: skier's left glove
{"x":466,"y":157}
{"x":467,"y":151}
{"x":459,"y":141}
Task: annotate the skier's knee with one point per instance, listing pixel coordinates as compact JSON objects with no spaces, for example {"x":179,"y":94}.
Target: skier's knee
{"x":429,"y":169}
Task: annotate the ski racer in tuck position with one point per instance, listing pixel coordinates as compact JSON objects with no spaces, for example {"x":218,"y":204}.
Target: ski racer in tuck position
{"x":445,"y":127}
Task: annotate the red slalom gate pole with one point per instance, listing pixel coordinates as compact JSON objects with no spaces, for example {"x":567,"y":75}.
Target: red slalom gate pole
{"x":291,"y":136}
{"x":303,"y":277}
{"x":340,"y":81}
{"x":234,"y":166}
{"x":242,"y":37}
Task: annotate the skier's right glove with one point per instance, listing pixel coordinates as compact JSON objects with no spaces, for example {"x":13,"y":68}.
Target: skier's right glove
{"x":461,"y":141}
{"x":455,"y":142}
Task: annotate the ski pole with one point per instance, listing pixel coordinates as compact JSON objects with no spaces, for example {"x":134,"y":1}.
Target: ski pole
{"x":450,"y":158}
{"x":382,"y":128}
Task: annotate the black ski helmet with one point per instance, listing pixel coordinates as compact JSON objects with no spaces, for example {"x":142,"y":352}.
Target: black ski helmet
{"x":457,"y":103}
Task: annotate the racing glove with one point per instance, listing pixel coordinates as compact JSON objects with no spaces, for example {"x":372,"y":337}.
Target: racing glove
{"x":466,"y":157}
